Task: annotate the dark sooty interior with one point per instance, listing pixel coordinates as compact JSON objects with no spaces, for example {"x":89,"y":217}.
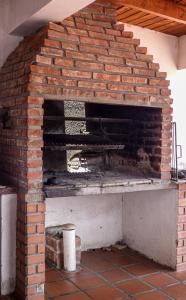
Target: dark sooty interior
{"x":90,"y":139}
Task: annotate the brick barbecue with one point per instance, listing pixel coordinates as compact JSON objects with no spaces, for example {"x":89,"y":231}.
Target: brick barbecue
{"x":91,"y":60}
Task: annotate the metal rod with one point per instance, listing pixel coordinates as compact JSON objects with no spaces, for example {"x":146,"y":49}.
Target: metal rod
{"x":174,"y":162}
{"x":92,"y":119}
{"x":176,"y":152}
{"x":84,"y":147}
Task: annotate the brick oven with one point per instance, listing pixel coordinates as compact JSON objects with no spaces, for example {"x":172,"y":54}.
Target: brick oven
{"x":87,"y":112}
{"x":99,"y":147}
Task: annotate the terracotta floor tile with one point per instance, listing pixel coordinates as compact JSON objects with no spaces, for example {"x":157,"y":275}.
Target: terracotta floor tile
{"x":179,"y":275}
{"x":108,"y":255}
{"x":87,"y":281}
{"x":134,"y":286}
{"x":80,"y":271}
{"x":177,"y":291}
{"x":76,"y":296}
{"x":121,"y":268}
{"x":99,"y":253}
{"x":59,"y":288}
{"x":152,"y":296}
{"x":47,"y":268}
{"x":159,"y":280}
{"x":105,"y":293}
{"x":53,"y":275}
{"x":115,"y":275}
{"x":141,"y":269}
{"x":99,"y":265}
{"x":139,"y":258}
{"x":88,"y":255}
{"x":123,"y":260}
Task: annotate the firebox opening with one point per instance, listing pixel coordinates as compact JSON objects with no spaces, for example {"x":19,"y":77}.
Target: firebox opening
{"x":92,"y":142}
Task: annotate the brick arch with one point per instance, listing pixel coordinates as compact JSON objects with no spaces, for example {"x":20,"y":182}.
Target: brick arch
{"x":87,"y":57}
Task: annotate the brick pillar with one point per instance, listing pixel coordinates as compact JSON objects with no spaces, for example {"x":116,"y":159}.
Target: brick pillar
{"x":30,"y":249}
{"x":31,"y":211}
{"x":166,"y":143}
{"x":181,"y":228}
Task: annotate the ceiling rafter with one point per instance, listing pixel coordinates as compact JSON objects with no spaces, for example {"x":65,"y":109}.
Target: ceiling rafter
{"x":168,"y":9}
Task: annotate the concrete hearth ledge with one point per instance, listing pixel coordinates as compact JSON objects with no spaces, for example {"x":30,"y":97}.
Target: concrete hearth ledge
{"x":126,"y":186}
{"x":5,"y":190}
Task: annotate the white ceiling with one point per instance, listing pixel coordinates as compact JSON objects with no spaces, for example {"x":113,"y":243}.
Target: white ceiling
{"x":21,"y":17}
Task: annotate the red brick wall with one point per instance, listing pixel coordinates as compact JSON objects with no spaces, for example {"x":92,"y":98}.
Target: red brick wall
{"x":87,"y":57}
{"x":25,"y":114}
{"x":181,"y":228}
{"x":30,"y":275}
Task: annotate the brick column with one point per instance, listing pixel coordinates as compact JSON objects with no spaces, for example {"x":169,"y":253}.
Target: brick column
{"x":30,"y":249}
{"x":31,"y":210}
{"x":181,"y":228}
{"x":166,"y":135}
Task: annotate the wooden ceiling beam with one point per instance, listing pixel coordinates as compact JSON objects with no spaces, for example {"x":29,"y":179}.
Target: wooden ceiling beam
{"x":158,"y":24}
{"x":147,"y":17}
{"x":177,"y":30}
{"x":135,"y":16}
{"x":163,"y":8}
{"x":167,"y":26}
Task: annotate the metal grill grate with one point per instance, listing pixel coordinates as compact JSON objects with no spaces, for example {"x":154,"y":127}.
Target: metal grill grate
{"x":175,"y":156}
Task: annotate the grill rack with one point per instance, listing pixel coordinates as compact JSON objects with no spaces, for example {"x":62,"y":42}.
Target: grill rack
{"x":95,"y":147}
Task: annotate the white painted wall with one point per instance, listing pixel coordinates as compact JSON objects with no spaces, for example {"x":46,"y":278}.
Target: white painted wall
{"x":178,"y":87}
{"x":8,"y":212}
{"x":13,"y":13}
{"x":55,"y":11}
{"x":165,"y":49}
{"x":146,"y":221}
{"x":20,"y":18}
{"x":149,"y":224}
{"x":7,"y":44}
{"x":98,"y":218}
{"x":182,"y":52}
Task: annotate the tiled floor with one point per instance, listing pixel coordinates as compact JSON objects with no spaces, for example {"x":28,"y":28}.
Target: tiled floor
{"x":116,"y":275}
